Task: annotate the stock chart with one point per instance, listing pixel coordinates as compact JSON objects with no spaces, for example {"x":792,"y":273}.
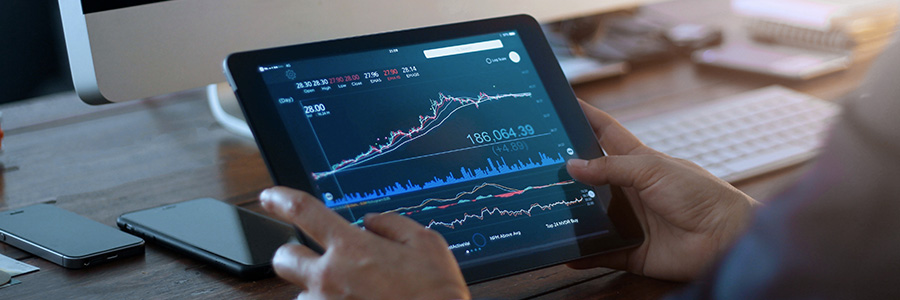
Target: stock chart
{"x":467,"y":144}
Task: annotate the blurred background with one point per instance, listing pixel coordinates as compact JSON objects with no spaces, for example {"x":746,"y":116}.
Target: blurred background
{"x":33,"y":60}
{"x":32,"y":53}
{"x":745,"y":88}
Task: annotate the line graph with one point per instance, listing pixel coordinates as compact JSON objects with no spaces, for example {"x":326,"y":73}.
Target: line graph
{"x":493,"y":168}
{"x":440,"y":112}
{"x":510,"y":192}
{"x":502,"y":212}
{"x":436,"y":203}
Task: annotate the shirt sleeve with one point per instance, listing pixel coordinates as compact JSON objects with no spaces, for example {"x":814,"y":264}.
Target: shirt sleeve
{"x":836,"y":233}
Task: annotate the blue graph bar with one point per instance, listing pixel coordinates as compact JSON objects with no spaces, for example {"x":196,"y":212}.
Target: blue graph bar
{"x":493,"y":168}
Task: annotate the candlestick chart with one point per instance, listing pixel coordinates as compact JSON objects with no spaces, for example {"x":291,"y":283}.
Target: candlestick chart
{"x":441,"y":110}
{"x":475,"y":151}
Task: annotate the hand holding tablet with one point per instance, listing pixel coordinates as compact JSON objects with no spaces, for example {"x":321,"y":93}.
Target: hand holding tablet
{"x":463,"y":128}
{"x":690,"y":216}
{"x":681,"y":250}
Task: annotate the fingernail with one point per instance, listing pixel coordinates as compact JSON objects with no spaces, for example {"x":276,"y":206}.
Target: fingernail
{"x":265,"y":196}
{"x":282,"y":257}
{"x":578,"y":163}
{"x":270,"y":200}
{"x":367,"y":220}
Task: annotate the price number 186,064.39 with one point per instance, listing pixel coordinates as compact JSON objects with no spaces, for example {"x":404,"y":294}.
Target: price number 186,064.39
{"x":502,"y":134}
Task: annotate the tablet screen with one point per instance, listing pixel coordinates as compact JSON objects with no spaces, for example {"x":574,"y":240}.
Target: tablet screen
{"x":458,"y":134}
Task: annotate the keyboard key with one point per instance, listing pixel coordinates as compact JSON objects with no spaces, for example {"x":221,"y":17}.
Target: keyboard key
{"x":744,"y":135}
{"x":765,"y":158}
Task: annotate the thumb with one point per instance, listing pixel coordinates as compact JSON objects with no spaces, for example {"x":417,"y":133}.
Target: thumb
{"x":637,"y":171}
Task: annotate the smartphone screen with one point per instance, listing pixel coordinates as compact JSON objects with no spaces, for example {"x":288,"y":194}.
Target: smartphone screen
{"x":241,"y":241}
{"x":64,"y":237}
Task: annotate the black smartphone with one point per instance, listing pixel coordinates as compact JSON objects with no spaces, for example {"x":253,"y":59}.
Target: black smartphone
{"x":65,"y":238}
{"x":235,"y":239}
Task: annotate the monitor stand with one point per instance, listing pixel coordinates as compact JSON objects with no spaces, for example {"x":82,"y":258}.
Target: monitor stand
{"x":226,"y":110}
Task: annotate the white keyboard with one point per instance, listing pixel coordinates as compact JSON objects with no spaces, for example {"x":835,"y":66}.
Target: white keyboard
{"x":742,"y":136}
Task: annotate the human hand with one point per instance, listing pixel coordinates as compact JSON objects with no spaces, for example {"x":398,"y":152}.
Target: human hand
{"x":394,"y":258}
{"x":689,"y":216}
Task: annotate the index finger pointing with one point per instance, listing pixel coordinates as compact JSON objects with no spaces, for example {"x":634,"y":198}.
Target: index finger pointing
{"x":394,"y":227}
{"x":308,"y":213}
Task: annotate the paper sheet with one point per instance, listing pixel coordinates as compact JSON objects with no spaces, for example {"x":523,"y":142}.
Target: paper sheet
{"x":14,"y":267}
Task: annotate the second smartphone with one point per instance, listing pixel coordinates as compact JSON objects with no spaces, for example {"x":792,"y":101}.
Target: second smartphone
{"x":64,"y":237}
{"x":235,"y":239}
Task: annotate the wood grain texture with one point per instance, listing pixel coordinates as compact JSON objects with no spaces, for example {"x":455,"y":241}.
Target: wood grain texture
{"x":101,"y":162}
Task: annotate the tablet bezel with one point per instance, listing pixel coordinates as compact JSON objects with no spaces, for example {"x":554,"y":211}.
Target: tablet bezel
{"x":281,"y":159}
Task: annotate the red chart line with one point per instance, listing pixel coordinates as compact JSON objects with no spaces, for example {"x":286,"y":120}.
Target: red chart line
{"x":510,"y":192}
{"x":503,"y":212}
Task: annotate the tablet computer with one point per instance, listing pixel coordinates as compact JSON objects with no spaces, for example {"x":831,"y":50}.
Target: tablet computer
{"x":464,"y":128}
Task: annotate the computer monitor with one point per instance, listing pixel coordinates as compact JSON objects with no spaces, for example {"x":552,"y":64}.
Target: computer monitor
{"x":121,"y":50}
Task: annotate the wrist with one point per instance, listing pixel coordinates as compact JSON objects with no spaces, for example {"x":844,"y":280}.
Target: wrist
{"x":740,"y":214}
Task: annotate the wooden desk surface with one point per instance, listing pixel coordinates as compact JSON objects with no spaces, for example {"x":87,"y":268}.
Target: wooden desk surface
{"x":103,"y":161}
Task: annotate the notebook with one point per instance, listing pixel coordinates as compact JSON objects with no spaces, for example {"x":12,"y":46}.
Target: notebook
{"x":860,"y":27}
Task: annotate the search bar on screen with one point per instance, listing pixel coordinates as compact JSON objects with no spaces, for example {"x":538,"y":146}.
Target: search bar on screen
{"x":463,"y":49}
